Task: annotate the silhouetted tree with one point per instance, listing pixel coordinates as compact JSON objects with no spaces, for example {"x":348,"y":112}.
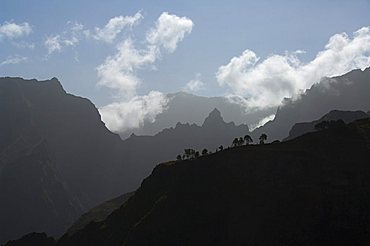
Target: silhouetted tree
{"x":263,"y":138}
{"x":179,"y":158}
{"x":197,"y":154}
{"x":241,"y":141}
{"x":204,"y":152}
{"x":189,"y":153}
{"x":248,"y":139}
{"x":235,"y":142}
{"x":221,"y":148}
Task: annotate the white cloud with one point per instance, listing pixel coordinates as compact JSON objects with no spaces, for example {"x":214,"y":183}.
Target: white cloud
{"x":53,"y":44}
{"x":262,"y":122}
{"x":115,"y":26}
{"x":12,"y":30}
{"x":131,"y":114}
{"x":13,"y":60}
{"x":169,"y":31}
{"x":69,"y":38}
{"x":194,"y":85}
{"x":265,"y":83}
{"x":119,"y":72}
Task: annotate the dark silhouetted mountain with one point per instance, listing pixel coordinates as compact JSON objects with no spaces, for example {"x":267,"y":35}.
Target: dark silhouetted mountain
{"x":313,"y":190}
{"x":57,"y":159}
{"x":33,"y":239}
{"x":99,"y":213}
{"x":305,"y":127}
{"x":188,"y":108}
{"x":32,"y":194}
{"x":348,"y":92}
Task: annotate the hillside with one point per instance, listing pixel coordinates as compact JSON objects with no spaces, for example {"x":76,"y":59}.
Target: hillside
{"x":305,"y":127}
{"x":33,"y":196}
{"x":99,"y":213}
{"x":312,"y":190}
{"x":349,"y":92}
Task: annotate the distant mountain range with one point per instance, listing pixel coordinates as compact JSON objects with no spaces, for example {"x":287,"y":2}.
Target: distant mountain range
{"x":188,"y":108}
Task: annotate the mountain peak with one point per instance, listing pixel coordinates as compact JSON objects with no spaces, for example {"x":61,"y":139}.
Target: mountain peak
{"x":213,"y":118}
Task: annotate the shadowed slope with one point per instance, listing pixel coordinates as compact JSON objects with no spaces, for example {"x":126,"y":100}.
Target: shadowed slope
{"x":305,"y":127}
{"x":313,"y":190}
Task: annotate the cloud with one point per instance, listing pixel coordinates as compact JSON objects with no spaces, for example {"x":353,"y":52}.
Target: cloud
{"x":194,"y":85}
{"x":115,"y":26}
{"x":119,"y":72}
{"x":131,"y":114}
{"x":12,"y":30}
{"x":266,"y":82}
{"x":13,"y":60}
{"x":69,"y":38}
{"x":262,"y":122}
{"x":169,"y":31}
{"x":53,"y":44}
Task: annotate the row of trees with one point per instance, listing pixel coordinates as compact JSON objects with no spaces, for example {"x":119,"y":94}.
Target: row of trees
{"x":248,"y":140}
{"x":192,"y":153}
{"x":330,"y":124}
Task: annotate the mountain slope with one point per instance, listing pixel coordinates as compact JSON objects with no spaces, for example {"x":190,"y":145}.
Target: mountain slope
{"x":33,"y":197}
{"x":80,"y":164}
{"x":33,"y":239}
{"x":312,"y":190}
{"x":305,"y":127}
{"x":347,"y":92}
{"x":99,"y":213}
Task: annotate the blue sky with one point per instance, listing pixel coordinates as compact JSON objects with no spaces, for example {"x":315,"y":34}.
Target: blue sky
{"x":221,"y":30}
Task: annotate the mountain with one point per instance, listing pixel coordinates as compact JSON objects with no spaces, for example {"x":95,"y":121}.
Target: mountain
{"x":305,"y":127}
{"x":33,"y":196}
{"x":57,"y":158}
{"x":33,"y":239}
{"x":60,"y":139}
{"x":312,"y":190}
{"x":99,"y":213}
{"x":57,"y":153}
{"x":188,"y":108}
{"x":347,"y":92}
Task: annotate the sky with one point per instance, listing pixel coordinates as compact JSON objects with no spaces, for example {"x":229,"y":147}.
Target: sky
{"x":126,"y":55}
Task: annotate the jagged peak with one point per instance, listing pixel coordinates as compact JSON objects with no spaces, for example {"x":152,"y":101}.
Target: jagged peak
{"x":214,"y":117}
